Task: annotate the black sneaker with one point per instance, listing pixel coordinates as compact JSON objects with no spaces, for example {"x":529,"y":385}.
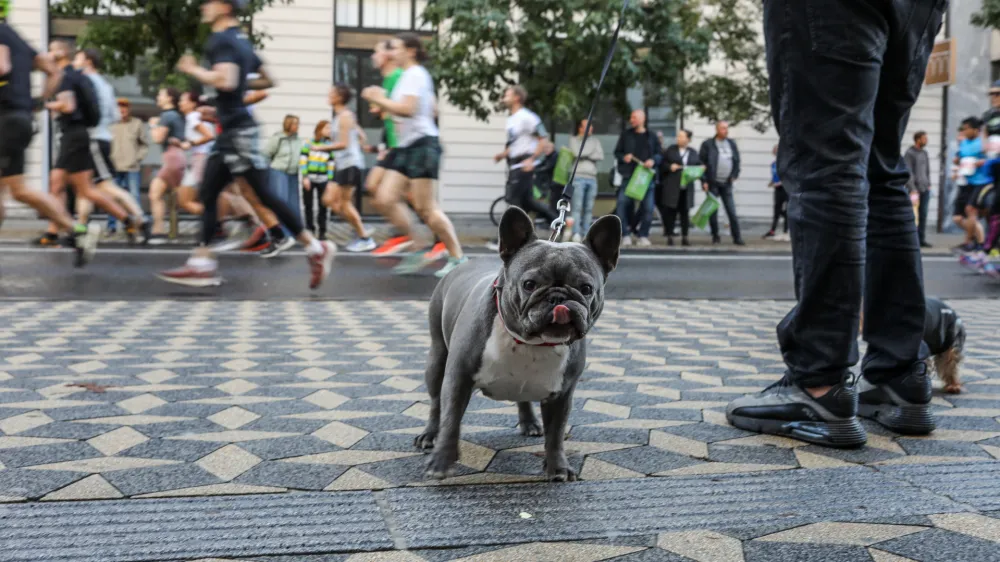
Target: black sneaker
{"x":47,"y":240}
{"x":786,"y":409}
{"x":86,"y":245}
{"x":901,"y":404}
{"x":276,"y":247}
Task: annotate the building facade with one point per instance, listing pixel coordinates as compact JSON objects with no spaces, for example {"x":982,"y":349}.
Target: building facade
{"x":314,"y":43}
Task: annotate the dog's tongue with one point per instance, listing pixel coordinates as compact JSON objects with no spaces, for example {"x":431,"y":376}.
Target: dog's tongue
{"x":560,"y":314}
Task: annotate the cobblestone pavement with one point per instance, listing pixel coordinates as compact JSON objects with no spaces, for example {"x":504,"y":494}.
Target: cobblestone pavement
{"x":114,"y":400}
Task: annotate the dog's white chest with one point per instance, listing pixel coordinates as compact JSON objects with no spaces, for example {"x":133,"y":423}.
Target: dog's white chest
{"x":518,"y":372}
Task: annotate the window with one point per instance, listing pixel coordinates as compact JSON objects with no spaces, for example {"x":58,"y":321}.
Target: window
{"x":354,"y":68}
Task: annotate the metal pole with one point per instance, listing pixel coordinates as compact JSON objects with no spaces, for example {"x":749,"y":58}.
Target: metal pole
{"x":943,"y":180}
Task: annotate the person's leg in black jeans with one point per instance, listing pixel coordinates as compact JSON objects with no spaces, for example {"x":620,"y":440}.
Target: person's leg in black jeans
{"x":713,"y":220}
{"x":924,"y":206}
{"x":307,"y":205}
{"x":726,"y":194}
{"x":522,"y":195}
{"x":784,"y":209}
{"x":322,"y":217}
{"x":844,"y":75}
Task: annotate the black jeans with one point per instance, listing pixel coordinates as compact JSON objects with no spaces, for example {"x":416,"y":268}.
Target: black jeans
{"x":924,"y":206}
{"x":670,"y":215}
{"x":780,"y":208}
{"x":520,"y":192}
{"x":844,"y":75}
{"x":724,"y":191}
{"x":317,"y":191}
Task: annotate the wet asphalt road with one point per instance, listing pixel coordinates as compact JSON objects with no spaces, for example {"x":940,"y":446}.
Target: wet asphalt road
{"x":123,"y":274}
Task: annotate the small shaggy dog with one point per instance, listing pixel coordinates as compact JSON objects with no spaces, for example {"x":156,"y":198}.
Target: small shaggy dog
{"x":944,"y":334}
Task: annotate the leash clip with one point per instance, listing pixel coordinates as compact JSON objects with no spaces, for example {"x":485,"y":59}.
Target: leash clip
{"x":563,"y":206}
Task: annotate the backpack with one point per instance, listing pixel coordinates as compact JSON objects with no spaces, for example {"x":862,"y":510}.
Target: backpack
{"x":86,"y":101}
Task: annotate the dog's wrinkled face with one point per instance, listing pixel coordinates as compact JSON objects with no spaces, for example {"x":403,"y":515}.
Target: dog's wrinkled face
{"x":553,"y":293}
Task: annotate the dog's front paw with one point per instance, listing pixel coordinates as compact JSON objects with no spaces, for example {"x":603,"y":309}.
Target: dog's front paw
{"x":440,"y":466}
{"x":425,"y":440}
{"x":559,"y":471}
{"x":530,"y":428}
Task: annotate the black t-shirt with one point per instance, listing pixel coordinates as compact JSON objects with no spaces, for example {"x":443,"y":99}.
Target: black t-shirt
{"x":991,"y":120}
{"x":231,"y":46}
{"x":15,"y":86}
{"x":71,"y":83}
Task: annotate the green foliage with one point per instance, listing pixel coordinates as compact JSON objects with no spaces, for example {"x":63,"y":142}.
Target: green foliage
{"x":556,"y":48}
{"x":989,"y":15}
{"x":150,"y":41}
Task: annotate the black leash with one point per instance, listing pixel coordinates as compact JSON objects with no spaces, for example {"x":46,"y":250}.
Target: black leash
{"x":563,"y":206}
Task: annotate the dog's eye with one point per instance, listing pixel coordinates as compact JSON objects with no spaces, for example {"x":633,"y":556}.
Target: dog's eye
{"x":587,"y":290}
{"x":529,"y":285}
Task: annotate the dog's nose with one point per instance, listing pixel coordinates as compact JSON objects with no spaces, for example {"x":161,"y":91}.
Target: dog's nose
{"x":556,"y":299}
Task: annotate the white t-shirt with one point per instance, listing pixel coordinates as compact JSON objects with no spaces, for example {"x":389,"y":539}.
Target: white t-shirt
{"x":415,"y":81}
{"x":191,"y":122}
{"x":523,"y":129}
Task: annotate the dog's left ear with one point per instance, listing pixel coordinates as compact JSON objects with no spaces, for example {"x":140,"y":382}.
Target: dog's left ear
{"x":516,"y":232}
{"x":605,"y":239}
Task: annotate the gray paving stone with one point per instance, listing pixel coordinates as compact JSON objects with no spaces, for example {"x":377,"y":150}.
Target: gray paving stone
{"x":406,"y":470}
{"x":492,"y":420}
{"x":47,"y":454}
{"x":284,"y":425}
{"x":386,"y":442}
{"x":501,"y":439}
{"x":938,"y":545}
{"x":650,"y":555}
{"x":967,"y":422}
{"x":751,"y":455}
{"x":942,"y":448}
{"x":647,"y":460}
{"x":707,"y":432}
{"x":976,"y":484}
{"x":861,"y":456}
{"x":367,"y":405}
{"x":385,"y":423}
{"x":306,"y":558}
{"x":634,"y":399}
{"x":138,"y":481}
{"x":33,"y":484}
{"x":68,"y":430}
{"x":193,"y":528}
{"x":186,"y":410}
{"x":21,"y":396}
{"x":666,"y":414}
{"x":175,"y":429}
{"x":292,"y":475}
{"x":283,"y":408}
{"x":167,"y":449}
{"x":283,"y":392}
{"x":286,"y":447}
{"x":609,"y":435}
{"x":506,"y":462}
{"x":580,"y":417}
{"x":191,"y":394}
{"x":755,"y":551}
{"x":85,"y":412}
{"x":447,"y":555}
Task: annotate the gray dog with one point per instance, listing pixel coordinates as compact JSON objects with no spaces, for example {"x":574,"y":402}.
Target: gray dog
{"x":517,"y":335}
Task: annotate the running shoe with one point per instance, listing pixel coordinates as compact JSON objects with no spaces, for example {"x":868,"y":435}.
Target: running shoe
{"x":359,"y":245}
{"x":395,"y":245}
{"x":86,"y":244}
{"x":902,"y":404}
{"x":157,"y":239}
{"x":47,"y":240}
{"x":320,"y":265}
{"x":964,"y":248}
{"x":277,"y":247}
{"x":990,"y":269}
{"x":191,"y":276}
{"x":450,"y":266}
{"x":974,"y":260}
{"x":439,"y":251}
{"x":138,"y":230}
{"x":257,"y":241}
{"x":411,"y":264}
{"x":644,"y":242}
{"x":578,"y":239}
{"x":493,"y":245}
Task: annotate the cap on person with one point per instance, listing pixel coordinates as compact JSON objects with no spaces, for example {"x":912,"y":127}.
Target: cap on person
{"x":995,"y":88}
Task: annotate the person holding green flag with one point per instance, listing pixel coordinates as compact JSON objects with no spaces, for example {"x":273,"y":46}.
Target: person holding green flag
{"x":638,"y":147}
{"x":676,"y":188}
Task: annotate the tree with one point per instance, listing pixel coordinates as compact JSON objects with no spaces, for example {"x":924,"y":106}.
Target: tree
{"x":988,"y":15}
{"x":556,"y":48}
{"x":149,"y":40}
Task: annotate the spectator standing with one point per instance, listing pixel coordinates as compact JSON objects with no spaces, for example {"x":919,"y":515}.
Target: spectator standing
{"x":637,"y":146}
{"x":919,"y":165}
{"x":283,"y":150}
{"x":780,"y":203}
{"x":721,"y":158}
{"x":585,"y":181}
{"x":675,"y":199}
{"x":974,"y":182}
{"x":316,"y":167}
{"x":129,"y":147}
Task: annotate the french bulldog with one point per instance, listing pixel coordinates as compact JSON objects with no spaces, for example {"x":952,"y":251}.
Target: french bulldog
{"x":517,"y":335}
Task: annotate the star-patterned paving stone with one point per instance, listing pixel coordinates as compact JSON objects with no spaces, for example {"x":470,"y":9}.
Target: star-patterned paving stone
{"x":122,"y":399}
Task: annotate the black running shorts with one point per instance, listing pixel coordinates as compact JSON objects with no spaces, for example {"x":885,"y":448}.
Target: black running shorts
{"x":18,"y":128}
{"x":75,"y":155}
{"x":348,"y":177}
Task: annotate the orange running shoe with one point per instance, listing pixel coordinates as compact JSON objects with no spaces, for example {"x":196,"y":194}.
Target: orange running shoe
{"x":257,"y":241}
{"x":393,"y":246}
{"x":437,"y":252}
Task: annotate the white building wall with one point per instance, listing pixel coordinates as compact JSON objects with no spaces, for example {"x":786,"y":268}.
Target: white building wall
{"x":299,"y":55}
{"x":30,"y":18}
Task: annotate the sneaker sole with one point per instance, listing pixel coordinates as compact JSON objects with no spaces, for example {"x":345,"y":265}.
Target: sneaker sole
{"x":905,"y":420}
{"x":841,"y":434}
{"x":282,"y":248}
{"x":214,"y":282}
{"x":397,"y":249}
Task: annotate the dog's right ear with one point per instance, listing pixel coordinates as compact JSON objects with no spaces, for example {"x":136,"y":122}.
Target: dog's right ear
{"x":605,"y":240}
{"x":516,"y":232}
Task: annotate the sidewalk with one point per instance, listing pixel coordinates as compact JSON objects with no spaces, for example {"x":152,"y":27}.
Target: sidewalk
{"x":283,"y":431}
{"x":475,"y":232}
